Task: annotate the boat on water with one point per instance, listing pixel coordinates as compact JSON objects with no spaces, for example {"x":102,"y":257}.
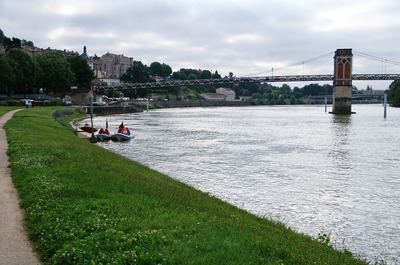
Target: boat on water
{"x":123,"y":134}
{"x":88,"y":129}
{"x":102,"y":137}
{"x":119,"y":137}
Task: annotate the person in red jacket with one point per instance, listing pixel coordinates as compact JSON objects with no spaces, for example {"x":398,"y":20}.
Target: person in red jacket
{"x":121,"y":128}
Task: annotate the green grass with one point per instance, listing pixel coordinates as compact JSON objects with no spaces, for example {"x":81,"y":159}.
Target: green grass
{"x":4,"y":109}
{"x":86,"y":205}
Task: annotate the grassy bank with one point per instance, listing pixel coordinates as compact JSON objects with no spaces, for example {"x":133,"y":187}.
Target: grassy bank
{"x":4,"y":109}
{"x":86,"y":205}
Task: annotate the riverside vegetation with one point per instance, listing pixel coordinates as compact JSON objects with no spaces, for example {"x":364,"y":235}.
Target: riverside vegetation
{"x":87,"y":205}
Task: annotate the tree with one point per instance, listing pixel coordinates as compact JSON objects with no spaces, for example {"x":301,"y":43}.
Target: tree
{"x":23,"y":69}
{"x":286,"y":90}
{"x":27,"y":43}
{"x":1,"y":37}
{"x":12,"y":43}
{"x":327,"y":89}
{"x":57,"y":74}
{"x":205,"y":74}
{"x":192,"y":76}
{"x":313,"y":90}
{"x":38,"y":73}
{"x":297,"y":92}
{"x":395,"y":93}
{"x":166,"y":70}
{"x":155,"y":69}
{"x":6,"y":75}
{"x":179,"y":75}
{"x":83,"y":74}
{"x":216,"y":75}
{"x":159,"y":69}
{"x":138,"y":72}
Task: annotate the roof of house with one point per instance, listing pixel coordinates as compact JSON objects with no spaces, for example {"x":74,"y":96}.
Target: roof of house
{"x":225,"y":90}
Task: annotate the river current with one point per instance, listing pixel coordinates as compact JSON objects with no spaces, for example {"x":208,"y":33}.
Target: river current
{"x":316,"y":172}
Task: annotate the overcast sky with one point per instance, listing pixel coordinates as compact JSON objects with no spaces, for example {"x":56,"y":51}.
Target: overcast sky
{"x":242,"y":36}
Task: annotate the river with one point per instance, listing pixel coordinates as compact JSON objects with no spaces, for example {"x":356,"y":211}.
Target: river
{"x":316,"y":172}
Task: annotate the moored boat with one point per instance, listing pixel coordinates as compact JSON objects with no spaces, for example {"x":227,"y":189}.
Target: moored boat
{"x":118,"y":137}
{"x":101,"y":137}
{"x":88,"y":129}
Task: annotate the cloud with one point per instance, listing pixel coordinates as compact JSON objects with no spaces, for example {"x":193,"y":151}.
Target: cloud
{"x":239,"y":36}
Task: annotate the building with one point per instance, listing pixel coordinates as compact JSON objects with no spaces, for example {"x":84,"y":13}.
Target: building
{"x":213,"y":96}
{"x":229,"y":94}
{"x":113,"y":66}
{"x":32,"y":50}
{"x":222,"y":94}
{"x":109,"y":66}
{"x":370,"y":92}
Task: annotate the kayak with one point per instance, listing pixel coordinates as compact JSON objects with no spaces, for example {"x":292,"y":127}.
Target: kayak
{"x":88,"y":129}
{"x":121,"y":137}
{"x":101,"y":137}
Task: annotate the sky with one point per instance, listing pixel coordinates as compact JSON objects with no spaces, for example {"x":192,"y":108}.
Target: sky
{"x":246,"y":37}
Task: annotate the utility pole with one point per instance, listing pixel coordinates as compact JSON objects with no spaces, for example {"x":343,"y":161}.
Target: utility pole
{"x":92,"y":137}
{"x":272,"y":74}
{"x":384,"y":105}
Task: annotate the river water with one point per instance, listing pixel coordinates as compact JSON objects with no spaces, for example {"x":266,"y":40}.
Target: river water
{"x":314,"y":171}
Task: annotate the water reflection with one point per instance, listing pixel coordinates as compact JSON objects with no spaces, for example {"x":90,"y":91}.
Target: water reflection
{"x":340,"y":152}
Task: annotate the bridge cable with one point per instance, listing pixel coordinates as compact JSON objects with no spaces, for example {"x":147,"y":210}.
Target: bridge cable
{"x":291,"y":65}
{"x":376,"y":58}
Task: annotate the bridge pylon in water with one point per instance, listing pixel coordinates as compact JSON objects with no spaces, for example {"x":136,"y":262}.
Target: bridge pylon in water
{"x":342,"y":81}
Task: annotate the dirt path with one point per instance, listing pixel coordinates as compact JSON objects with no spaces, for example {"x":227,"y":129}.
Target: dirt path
{"x":15,"y":247}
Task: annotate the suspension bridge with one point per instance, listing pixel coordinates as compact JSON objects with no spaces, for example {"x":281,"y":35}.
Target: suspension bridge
{"x":342,"y":78}
{"x":258,"y":77}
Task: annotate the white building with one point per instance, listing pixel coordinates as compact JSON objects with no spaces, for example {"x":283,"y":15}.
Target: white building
{"x":227,"y":92}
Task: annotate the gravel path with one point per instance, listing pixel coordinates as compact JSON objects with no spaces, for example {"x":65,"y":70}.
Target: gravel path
{"x":15,"y":247}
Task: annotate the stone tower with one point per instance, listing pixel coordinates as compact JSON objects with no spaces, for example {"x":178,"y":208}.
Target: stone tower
{"x":342,"y":82}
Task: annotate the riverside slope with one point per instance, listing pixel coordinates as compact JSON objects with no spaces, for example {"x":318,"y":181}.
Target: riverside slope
{"x":87,"y":205}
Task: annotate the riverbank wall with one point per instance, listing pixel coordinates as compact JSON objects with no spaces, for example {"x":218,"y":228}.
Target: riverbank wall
{"x":111,"y":110}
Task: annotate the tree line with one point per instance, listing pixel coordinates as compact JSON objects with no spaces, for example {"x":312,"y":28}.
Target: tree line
{"x":394,"y":93}
{"x":51,"y":71}
{"x":140,"y":72}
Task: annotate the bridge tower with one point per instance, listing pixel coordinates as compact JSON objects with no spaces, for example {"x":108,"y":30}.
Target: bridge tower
{"x":342,"y":81}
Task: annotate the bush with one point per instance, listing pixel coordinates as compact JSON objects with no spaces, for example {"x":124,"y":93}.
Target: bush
{"x":14,"y":102}
{"x":55,"y":102}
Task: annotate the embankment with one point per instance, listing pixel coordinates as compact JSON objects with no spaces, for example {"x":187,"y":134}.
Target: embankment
{"x":86,"y":205}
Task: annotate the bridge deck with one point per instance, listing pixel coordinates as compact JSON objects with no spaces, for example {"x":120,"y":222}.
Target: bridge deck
{"x":266,"y":79}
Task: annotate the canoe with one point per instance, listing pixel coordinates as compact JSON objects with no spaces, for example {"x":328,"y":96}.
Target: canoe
{"x":121,"y":137}
{"x":101,"y":137}
{"x":88,"y":129}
